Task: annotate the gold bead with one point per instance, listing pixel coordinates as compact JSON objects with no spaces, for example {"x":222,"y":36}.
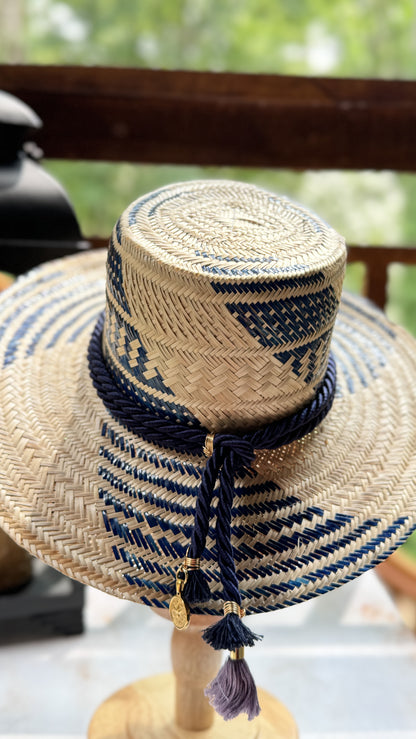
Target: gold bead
{"x":209,"y":445}
{"x":231,"y":606}
{"x":192,"y":563}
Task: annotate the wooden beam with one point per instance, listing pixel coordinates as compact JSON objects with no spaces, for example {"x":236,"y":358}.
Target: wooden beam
{"x":377,"y":260}
{"x":208,"y":118}
{"x":387,"y":254}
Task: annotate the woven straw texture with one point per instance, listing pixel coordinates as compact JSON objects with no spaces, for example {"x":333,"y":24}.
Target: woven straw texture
{"x":221,"y":303}
{"x":108,"y":508}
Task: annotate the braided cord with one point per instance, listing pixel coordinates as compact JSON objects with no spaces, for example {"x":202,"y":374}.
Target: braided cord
{"x":203,"y":502}
{"x":135,"y":418}
{"x":182,"y":438}
{"x":226,"y":562}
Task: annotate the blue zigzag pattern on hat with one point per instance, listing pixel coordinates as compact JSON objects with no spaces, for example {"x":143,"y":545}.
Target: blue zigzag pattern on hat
{"x":53,"y":296}
{"x":262,"y":270}
{"x":130,"y":351}
{"x":278,"y":323}
{"x":290,"y":283}
{"x":154,"y":403}
{"x":372,"y":315}
{"x":133,"y":356}
{"x":143,"y":539}
{"x":158,"y":459}
{"x":372,"y":356}
{"x":309,"y":355}
{"x":147,"y":199}
{"x":131,"y":528}
{"x":115,"y":271}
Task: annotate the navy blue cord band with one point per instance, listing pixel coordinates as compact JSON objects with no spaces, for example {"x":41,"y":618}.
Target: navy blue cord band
{"x":182,"y":438}
{"x":232,"y":453}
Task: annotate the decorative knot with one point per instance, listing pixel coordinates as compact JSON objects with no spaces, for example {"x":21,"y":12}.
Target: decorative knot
{"x":240,"y":450}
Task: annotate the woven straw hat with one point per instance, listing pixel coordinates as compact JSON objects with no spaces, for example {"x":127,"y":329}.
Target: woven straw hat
{"x":220,"y":306}
{"x":221,"y":300}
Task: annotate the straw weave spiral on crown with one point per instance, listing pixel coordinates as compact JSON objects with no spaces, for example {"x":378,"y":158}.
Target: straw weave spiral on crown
{"x":221,"y":303}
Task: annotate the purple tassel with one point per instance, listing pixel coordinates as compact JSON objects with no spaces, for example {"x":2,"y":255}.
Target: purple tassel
{"x":233,"y":691}
{"x":230,"y":633}
{"x":196,"y":588}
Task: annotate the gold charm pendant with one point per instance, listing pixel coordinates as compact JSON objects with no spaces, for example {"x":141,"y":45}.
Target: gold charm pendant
{"x":178,"y":608}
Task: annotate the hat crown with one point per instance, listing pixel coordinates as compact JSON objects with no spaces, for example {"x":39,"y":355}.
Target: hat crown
{"x":221,"y":301}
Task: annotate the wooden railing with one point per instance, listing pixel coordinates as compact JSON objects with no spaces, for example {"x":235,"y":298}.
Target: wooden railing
{"x":239,"y":120}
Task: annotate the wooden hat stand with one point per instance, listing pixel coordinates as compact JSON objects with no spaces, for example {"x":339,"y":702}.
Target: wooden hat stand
{"x":173,"y":706}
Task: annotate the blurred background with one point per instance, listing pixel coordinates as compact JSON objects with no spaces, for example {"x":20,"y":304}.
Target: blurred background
{"x":367,"y":39}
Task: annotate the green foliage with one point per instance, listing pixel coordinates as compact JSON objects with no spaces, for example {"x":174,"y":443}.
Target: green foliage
{"x":409,"y":547}
{"x":366,"y":38}
{"x":402,"y":296}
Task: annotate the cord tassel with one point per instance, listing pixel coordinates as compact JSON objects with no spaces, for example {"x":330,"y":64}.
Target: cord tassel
{"x":230,"y":632}
{"x":233,"y":690}
{"x":196,"y":589}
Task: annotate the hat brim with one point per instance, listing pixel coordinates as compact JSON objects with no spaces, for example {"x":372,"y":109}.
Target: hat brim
{"x":111,"y":510}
